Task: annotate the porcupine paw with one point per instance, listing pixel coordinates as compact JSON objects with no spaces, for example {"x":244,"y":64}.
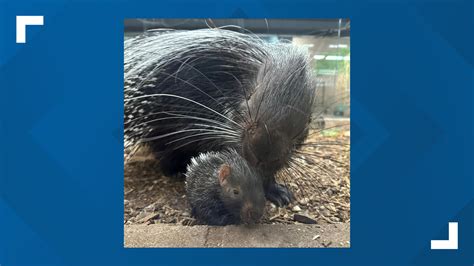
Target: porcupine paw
{"x":278,"y":194}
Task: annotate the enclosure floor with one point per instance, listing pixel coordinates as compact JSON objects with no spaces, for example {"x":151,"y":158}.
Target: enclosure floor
{"x":275,"y":235}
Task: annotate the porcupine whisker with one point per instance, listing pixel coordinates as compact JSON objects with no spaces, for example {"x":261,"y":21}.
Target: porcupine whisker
{"x":285,"y":180}
{"x":268,"y":27}
{"x":334,"y":99}
{"x":323,"y":108}
{"x":326,"y":161}
{"x":282,"y":178}
{"x":233,"y":142}
{"x":169,"y":134}
{"x":189,"y":130}
{"x":172,"y":133}
{"x":332,"y":175}
{"x":189,"y":108}
{"x":200,"y":134}
{"x":230,"y":133}
{"x":215,"y":127}
{"x":315,"y":131}
{"x":222,"y":125}
{"x":319,"y":110}
{"x":319,"y":166}
{"x":226,"y":111}
{"x":251,"y":35}
{"x":220,"y":132}
{"x":200,"y":111}
{"x":294,"y":177}
{"x":195,"y":69}
{"x":221,"y":139}
{"x":213,"y":84}
{"x":201,"y":139}
{"x":209,"y":26}
{"x":295,"y":168}
{"x":216,"y":132}
{"x":194,"y":86}
{"x":261,"y":100}
{"x":316,"y":151}
{"x":187,"y":99}
{"x":176,"y":73}
{"x":298,"y":181}
{"x":201,"y":119}
{"x":268,"y":133}
{"x":296,"y":109}
{"x":299,"y":133}
{"x":290,"y":77}
{"x":318,"y":144}
{"x":241,"y":86}
{"x":322,"y":157}
{"x":195,"y":108}
{"x":293,"y":171}
{"x":345,"y":147}
{"x":205,"y":128}
{"x":222,"y":66}
{"x":179,"y":117}
{"x":194,"y":111}
{"x":197,"y":118}
{"x":328,"y":143}
{"x":296,"y":165}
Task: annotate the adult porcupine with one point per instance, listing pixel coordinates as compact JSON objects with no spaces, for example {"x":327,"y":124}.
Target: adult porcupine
{"x":188,"y":92}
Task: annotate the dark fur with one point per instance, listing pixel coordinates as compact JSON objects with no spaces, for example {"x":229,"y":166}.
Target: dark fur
{"x":260,"y":94}
{"x":215,"y":203}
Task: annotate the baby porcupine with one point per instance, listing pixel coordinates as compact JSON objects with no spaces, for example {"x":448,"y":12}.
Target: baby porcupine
{"x":222,"y":189}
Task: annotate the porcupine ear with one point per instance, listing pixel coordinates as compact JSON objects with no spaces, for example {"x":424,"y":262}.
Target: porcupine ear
{"x":224,"y":172}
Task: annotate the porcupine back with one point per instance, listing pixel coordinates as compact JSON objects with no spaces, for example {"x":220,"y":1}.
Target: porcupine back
{"x":213,"y":68}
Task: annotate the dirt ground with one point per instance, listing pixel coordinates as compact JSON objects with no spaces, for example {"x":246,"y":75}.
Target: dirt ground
{"x":231,"y":236}
{"x":319,"y":177}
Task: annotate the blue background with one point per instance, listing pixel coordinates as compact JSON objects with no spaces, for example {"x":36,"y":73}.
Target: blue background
{"x":61,"y":153}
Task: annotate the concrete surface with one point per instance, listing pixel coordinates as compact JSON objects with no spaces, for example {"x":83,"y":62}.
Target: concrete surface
{"x":265,"y":235}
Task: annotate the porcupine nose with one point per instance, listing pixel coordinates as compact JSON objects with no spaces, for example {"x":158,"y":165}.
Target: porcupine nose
{"x":266,"y":145}
{"x":249,"y":215}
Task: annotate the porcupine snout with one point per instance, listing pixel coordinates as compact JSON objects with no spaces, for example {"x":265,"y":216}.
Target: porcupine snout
{"x":250,"y":214}
{"x":264,"y":147}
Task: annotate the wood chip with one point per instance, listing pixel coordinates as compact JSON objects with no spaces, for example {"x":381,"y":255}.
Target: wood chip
{"x":304,"y":219}
{"x":149,"y":217}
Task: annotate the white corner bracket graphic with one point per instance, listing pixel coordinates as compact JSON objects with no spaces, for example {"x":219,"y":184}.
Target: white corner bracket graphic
{"x":22,"y":22}
{"x":451,"y":243}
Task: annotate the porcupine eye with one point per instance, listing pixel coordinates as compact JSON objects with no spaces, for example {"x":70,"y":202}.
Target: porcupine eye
{"x":235,"y":191}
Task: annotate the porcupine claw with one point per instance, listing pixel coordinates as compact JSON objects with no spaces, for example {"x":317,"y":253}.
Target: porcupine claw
{"x":278,"y":194}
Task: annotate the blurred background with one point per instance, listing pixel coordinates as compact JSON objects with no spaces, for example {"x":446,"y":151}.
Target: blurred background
{"x":327,"y":41}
